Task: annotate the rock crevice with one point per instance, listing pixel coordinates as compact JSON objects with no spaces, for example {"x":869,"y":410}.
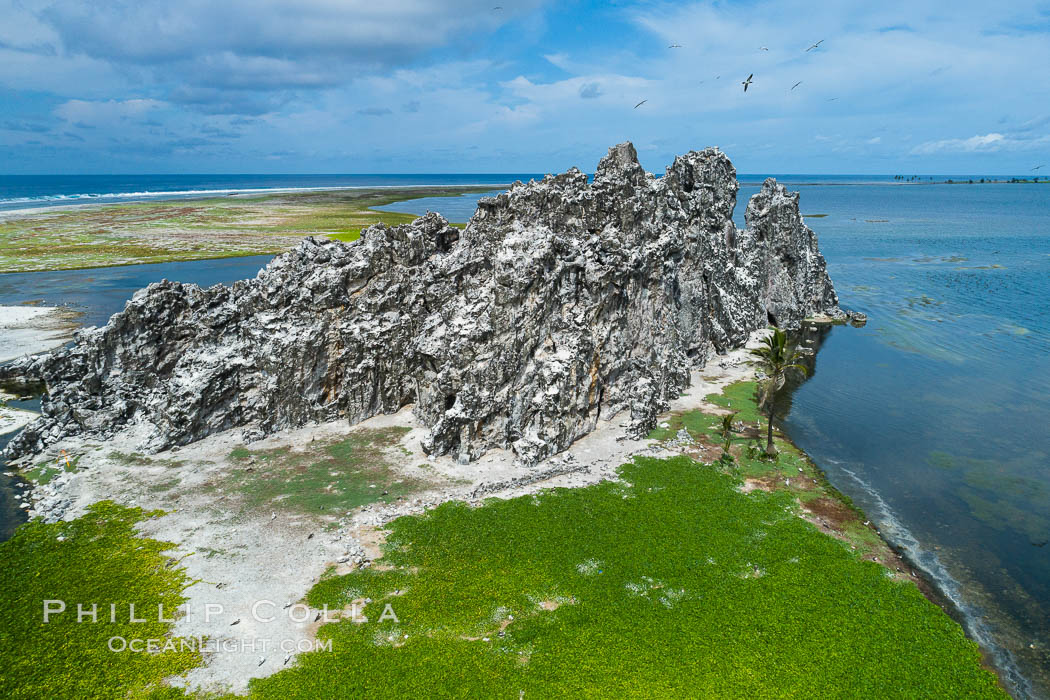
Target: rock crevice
{"x":562,"y":302}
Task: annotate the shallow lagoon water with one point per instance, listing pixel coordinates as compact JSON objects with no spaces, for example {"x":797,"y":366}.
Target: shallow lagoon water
{"x":457,"y":209}
{"x":934,"y":418}
{"x":101,"y":292}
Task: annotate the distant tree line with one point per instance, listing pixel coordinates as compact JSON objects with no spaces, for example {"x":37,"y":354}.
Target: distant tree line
{"x":971,"y":181}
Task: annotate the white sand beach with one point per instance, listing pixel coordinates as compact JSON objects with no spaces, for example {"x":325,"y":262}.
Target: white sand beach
{"x":27,"y":330}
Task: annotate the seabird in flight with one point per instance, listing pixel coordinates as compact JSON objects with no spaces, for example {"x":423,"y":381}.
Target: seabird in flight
{"x":675,"y":46}
{"x":640,"y":104}
{"x":815,"y":45}
{"x":748,"y":82}
{"x":795,"y":85}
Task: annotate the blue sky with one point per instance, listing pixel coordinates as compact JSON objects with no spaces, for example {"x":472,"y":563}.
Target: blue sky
{"x":416,"y":86}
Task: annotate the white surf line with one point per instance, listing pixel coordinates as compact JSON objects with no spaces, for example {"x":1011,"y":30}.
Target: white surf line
{"x":48,"y":202}
{"x":895,"y":531}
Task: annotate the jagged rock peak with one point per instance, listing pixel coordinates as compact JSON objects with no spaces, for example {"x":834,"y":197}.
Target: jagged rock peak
{"x":620,"y":165}
{"x":561,"y":304}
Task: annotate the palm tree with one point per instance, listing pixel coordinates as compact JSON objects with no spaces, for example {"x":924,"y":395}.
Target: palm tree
{"x":776,"y":358}
{"x":727,"y":430}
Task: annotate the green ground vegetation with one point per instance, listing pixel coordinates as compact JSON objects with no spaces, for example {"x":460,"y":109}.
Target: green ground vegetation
{"x":95,"y":559}
{"x":324,"y":479}
{"x":127,"y":234}
{"x":792,"y":471}
{"x":44,"y":472}
{"x":673,"y":582}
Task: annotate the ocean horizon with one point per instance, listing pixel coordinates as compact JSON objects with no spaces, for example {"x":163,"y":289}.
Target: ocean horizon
{"x":28,"y":192}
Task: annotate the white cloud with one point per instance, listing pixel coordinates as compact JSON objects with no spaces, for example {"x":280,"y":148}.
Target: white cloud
{"x":559,"y":60}
{"x":465,"y":90}
{"x":248,"y":38}
{"x":105,"y":111}
{"x":987,"y":143}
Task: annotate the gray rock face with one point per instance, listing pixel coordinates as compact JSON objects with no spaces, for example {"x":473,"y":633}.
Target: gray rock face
{"x":562,"y":302}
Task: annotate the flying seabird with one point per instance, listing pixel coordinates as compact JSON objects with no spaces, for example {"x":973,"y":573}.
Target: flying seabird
{"x":747,"y":82}
{"x":1038,"y":167}
{"x":815,"y":45}
{"x":640,"y":104}
{"x":675,"y":46}
{"x":762,"y":48}
{"x":795,"y":85}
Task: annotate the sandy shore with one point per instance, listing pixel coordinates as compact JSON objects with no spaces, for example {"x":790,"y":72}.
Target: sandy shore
{"x":12,"y":419}
{"x":27,"y":330}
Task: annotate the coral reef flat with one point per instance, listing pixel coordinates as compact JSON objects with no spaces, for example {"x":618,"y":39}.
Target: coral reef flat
{"x":193,"y":229}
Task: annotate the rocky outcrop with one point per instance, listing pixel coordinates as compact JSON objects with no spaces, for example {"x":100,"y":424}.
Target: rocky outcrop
{"x":562,"y":302}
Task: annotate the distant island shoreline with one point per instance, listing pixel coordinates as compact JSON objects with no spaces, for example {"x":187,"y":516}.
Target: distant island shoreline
{"x":94,"y":235}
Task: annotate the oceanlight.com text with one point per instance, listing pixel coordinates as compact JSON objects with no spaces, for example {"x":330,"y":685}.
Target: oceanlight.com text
{"x":202,"y":644}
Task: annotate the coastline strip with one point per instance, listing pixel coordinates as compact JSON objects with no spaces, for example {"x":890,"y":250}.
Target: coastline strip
{"x":95,"y":235}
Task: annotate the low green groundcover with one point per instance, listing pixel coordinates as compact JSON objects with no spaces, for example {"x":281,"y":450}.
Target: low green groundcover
{"x":96,"y":559}
{"x":672,"y":584}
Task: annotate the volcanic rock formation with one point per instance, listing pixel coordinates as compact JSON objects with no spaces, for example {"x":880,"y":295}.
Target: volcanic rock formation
{"x":562,"y":302}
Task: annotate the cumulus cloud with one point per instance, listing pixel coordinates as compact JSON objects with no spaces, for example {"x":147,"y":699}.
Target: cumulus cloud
{"x":268,"y":44}
{"x":541,"y":85}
